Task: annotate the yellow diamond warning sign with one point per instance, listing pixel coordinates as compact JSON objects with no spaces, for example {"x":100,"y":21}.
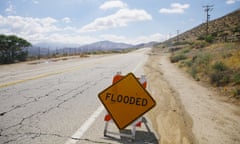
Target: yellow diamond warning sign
{"x":126,"y":100}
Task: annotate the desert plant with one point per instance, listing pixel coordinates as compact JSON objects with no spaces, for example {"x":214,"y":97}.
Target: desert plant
{"x":219,"y":66}
{"x":186,"y":50}
{"x":202,"y":60}
{"x":209,"y":39}
{"x":236,"y":78}
{"x":199,"y":44}
{"x":200,"y":38}
{"x":220,"y":78}
{"x":176,"y":58}
{"x":236,"y":92}
{"x":188,"y":63}
{"x":221,"y":74}
{"x":194,"y":71}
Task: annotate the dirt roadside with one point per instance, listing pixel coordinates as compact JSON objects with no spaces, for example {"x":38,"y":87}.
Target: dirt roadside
{"x":186,"y":111}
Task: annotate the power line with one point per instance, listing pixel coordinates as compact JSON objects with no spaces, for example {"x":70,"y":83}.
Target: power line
{"x":207,"y":9}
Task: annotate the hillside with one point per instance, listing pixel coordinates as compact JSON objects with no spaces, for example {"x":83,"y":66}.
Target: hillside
{"x":213,"y":59}
{"x":224,"y":29}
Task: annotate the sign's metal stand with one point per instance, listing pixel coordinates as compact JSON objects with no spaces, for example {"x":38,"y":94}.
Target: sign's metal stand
{"x":135,"y":124}
{"x":133,"y":130}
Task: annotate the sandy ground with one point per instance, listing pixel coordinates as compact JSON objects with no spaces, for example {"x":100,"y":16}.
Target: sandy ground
{"x":188,"y":112}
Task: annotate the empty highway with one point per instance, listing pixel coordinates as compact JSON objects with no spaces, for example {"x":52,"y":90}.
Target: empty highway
{"x":56,"y":102}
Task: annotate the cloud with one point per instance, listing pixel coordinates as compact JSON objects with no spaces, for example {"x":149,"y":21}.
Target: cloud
{"x":231,"y":1}
{"x":148,"y":38}
{"x":10,"y":9}
{"x":35,"y":1}
{"x":68,"y":39}
{"x":67,"y":20}
{"x":37,"y":30}
{"x":113,"y":4}
{"x":175,"y":8}
{"x":114,"y":38}
{"x":119,"y":19}
{"x":137,"y":40}
{"x":28,"y":25}
{"x":47,"y":29}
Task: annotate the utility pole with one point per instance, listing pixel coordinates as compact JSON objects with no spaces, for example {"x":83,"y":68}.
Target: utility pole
{"x":48,"y":52}
{"x":39,"y":52}
{"x":207,"y":9}
{"x":178,"y":36}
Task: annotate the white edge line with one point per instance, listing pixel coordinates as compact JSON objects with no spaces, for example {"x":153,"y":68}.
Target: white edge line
{"x":137,"y":67}
{"x":79,"y":133}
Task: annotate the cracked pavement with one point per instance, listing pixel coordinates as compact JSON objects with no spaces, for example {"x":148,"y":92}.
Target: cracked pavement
{"x":51,"y":108}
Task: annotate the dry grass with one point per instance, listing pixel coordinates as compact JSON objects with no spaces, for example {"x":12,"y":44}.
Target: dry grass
{"x":216,"y":64}
{"x":213,"y":59}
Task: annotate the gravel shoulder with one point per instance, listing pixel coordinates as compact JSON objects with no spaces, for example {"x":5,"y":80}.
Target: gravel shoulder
{"x":188,"y":112}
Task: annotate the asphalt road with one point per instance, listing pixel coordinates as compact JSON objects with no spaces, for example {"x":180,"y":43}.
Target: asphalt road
{"x":56,"y":102}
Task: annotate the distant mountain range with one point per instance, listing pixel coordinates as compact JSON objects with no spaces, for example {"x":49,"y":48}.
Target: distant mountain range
{"x":54,"y":45}
{"x":96,"y":45}
{"x":58,"y":48}
{"x":106,"y":45}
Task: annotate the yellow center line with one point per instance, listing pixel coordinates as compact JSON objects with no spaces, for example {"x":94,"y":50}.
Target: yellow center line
{"x":40,"y":76}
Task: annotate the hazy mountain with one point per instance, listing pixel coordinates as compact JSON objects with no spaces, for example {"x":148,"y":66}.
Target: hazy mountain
{"x":55,"y":45}
{"x":105,"y":45}
{"x":58,"y":48}
{"x":101,"y":45}
{"x":150,"y":44}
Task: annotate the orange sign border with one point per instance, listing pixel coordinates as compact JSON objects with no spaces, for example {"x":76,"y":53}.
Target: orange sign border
{"x":154,"y":102}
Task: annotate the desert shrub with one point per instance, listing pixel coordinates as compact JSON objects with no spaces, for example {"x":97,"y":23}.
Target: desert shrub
{"x":236,"y":92}
{"x":176,"y":58}
{"x":202,"y":60}
{"x":215,"y":34}
{"x":209,"y":39}
{"x":200,"y":38}
{"x":221,"y":74}
{"x":186,"y":50}
{"x":220,"y":78}
{"x":188,"y":63}
{"x":199,"y":64}
{"x":236,"y":29}
{"x":199,"y":44}
{"x":219,"y":66}
{"x":226,"y":55}
{"x":181,"y":43}
{"x":236,"y":78}
{"x":194,"y":71}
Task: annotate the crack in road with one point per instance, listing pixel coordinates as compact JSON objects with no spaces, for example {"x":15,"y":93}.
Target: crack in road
{"x":19,"y":125}
{"x":5,"y":133}
{"x":34,"y":135}
{"x":39,"y":98}
{"x":27,"y":103}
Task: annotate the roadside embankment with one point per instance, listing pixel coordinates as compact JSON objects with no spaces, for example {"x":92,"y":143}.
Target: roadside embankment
{"x":187,"y":111}
{"x":169,"y":118}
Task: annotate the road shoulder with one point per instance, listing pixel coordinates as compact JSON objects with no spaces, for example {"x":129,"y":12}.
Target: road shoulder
{"x":188,"y":112}
{"x":169,"y":117}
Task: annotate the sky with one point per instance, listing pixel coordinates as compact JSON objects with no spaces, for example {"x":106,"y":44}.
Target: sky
{"x":86,"y":21}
